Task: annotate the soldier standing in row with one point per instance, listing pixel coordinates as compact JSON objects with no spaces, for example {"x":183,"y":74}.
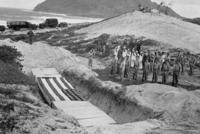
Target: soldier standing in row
{"x":123,"y":62}
{"x":115,"y":60}
{"x":144,"y":68}
{"x":191,"y":65}
{"x":176,"y":72}
{"x":165,"y":71}
{"x":128,"y":64}
{"x":136,"y":68}
{"x":155,"y":71}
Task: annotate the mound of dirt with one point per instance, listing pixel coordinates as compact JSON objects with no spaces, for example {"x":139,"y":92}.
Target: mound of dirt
{"x":131,"y":128}
{"x":166,"y":29}
{"x":41,"y":55}
{"x":175,"y":105}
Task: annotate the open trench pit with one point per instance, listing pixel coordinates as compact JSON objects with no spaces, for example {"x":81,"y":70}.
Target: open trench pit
{"x":120,"y":109}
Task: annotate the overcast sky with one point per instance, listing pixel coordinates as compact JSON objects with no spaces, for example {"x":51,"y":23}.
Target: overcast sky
{"x":187,"y":8}
{"x":25,"y":4}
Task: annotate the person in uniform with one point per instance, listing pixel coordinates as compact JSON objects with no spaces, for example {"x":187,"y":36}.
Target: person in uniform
{"x":114,"y":60}
{"x":165,"y":71}
{"x":155,"y":71}
{"x":119,"y":57}
{"x":144,"y":68}
{"x":176,"y":72}
{"x":123,"y":63}
{"x":191,"y":65}
{"x":136,"y":68}
{"x":128,"y":64}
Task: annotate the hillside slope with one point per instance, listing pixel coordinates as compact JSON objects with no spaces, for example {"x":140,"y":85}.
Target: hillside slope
{"x":95,"y":8}
{"x":168,"y":30}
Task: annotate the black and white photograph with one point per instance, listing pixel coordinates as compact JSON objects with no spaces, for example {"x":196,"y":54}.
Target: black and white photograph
{"x":99,"y":66}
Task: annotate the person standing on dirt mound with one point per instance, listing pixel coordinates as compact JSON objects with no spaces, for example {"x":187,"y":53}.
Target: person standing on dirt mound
{"x":30,"y":36}
{"x":176,"y":72}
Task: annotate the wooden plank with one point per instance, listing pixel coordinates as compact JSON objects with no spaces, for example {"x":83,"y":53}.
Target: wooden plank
{"x":45,"y":72}
{"x":100,"y":121}
{"x":80,"y":110}
{"x":84,"y":112}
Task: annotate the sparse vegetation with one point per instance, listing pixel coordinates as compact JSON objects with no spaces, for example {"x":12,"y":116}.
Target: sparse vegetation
{"x":10,"y":55}
{"x":10,"y":67}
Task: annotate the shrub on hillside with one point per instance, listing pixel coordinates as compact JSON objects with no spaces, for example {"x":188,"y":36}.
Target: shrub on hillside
{"x":10,"y":55}
{"x":10,"y":74}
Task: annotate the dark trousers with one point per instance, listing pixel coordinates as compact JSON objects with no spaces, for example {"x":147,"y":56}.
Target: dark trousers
{"x":113,"y":67}
{"x":127,"y":71}
{"x":164,"y":77}
{"x":191,"y":70}
{"x":135,"y":73}
{"x":155,"y":76}
{"x":182,"y":68}
{"x":118,"y":68}
{"x":175,"y":80}
{"x":145,"y":74}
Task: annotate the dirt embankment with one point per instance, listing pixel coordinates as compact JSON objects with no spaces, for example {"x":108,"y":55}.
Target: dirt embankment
{"x":175,"y":107}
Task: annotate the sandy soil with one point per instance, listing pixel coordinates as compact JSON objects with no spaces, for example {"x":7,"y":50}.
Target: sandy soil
{"x":169,"y":30}
{"x":41,"y":55}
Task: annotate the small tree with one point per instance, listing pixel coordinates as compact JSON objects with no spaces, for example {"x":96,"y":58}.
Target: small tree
{"x":10,"y":55}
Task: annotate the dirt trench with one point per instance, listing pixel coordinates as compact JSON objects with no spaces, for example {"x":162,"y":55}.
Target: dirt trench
{"x":120,"y":109}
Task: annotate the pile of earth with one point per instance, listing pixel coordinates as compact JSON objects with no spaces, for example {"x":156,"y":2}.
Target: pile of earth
{"x":41,"y":55}
{"x":168,"y":30}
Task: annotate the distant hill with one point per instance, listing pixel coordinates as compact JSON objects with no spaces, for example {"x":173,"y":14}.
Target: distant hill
{"x":96,"y":8}
{"x":168,"y":30}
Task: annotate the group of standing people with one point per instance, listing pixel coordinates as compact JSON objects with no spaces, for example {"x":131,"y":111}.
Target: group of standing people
{"x":128,"y":61}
